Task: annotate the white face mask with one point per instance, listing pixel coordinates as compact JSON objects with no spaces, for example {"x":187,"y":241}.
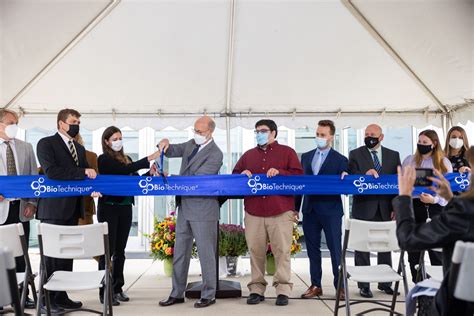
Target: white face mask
{"x":11,"y":130}
{"x":117,"y":145}
{"x":199,"y":139}
{"x":456,"y":143}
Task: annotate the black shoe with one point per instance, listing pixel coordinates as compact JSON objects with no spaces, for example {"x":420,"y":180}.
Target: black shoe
{"x":55,"y":309}
{"x":122,"y":297}
{"x":29,"y":303}
{"x":282,"y":300}
{"x":204,"y":302}
{"x":366,"y":292}
{"x":68,"y":303}
{"x":171,"y":301}
{"x":255,"y":298}
{"x":387,"y":289}
{"x":115,"y":302}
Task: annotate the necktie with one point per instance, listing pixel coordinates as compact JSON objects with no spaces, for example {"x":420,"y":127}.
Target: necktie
{"x":193,"y":153}
{"x":11,"y":165}
{"x":72,"y":149}
{"x":318,"y":163}
{"x":377,"y":165}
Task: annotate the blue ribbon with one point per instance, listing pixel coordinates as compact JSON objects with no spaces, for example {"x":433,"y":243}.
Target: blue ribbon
{"x":227,"y":185}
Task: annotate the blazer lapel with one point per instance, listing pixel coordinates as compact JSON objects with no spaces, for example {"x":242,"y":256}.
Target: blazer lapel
{"x":308,"y":163}
{"x":368,"y":156}
{"x":200,"y":155}
{"x":63,"y":145}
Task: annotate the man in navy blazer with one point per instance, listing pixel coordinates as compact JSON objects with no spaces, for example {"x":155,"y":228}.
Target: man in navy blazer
{"x":322,"y":212}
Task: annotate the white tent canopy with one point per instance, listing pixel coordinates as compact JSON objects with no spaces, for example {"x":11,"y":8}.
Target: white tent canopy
{"x":161,"y":63}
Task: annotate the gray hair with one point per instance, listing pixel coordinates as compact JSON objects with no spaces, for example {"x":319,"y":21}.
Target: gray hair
{"x":5,"y":112}
{"x":212,"y":125}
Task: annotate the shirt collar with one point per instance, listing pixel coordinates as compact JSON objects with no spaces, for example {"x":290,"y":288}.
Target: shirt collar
{"x":378,"y":150}
{"x":205,"y":144}
{"x":64,"y":137}
{"x":11,"y":141}
{"x":324,"y":151}
{"x":269,"y":146}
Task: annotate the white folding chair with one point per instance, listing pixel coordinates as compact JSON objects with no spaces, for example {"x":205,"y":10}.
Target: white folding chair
{"x":8,"y":283}
{"x":462,"y":271}
{"x":370,"y":237}
{"x":75,"y":242}
{"x":13,"y":237}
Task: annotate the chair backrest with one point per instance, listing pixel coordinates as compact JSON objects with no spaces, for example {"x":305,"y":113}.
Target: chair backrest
{"x":72,"y":242}
{"x":463,"y":256}
{"x":372,"y":236}
{"x":6,"y":263}
{"x":10,"y":237}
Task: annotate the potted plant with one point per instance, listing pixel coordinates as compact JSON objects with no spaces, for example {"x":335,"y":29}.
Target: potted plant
{"x":232,"y":244}
{"x":295,"y":248}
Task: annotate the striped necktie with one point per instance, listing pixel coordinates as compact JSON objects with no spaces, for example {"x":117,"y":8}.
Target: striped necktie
{"x":11,"y":165}
{"x":72,"y":149}
{"x":377,"y":165}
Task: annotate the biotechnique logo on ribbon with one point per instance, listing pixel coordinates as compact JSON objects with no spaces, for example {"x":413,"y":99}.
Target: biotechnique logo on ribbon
{"x":256,"y":186}
{"x":462,"y":180}
{"x":363,"y":186}
{"x":39,"y":188}
{"x":148,"y":187}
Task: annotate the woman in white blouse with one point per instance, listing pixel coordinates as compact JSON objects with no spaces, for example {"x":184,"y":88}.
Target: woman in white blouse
{"x":429,"y":154}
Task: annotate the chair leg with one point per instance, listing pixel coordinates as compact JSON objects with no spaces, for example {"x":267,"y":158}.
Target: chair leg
{"x":346,"y":293}
{"x":31,"y":282}
{"x":105,"y":305}
{"x":339,"y":281}
{"x":24,"y":290}
{"x":109,"y":286}
{"x":40,"y":297}
{"x":48,"y":302}
{"x":394,"y":298}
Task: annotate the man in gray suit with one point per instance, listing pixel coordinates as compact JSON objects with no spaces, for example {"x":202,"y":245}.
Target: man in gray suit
{"x":197,"y":216}
{"x":16,"y":158}
{"x":373,"y":159}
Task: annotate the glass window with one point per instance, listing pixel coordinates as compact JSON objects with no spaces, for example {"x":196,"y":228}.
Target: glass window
{"x":399,"y":139}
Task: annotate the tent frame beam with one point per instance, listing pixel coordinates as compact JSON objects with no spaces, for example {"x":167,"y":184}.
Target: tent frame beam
{"x":392,"y":52}
{"x":76,"y":39}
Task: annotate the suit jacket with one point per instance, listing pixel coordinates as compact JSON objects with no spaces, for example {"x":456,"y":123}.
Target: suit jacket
{"x":364,"y":207}
{"x":58,"y":164}
{"x":334,"y":164}
{"x":26,"y":166}
{"x":207,"y":161}
{"x":89,"y":204}
{"x":455,"y":223}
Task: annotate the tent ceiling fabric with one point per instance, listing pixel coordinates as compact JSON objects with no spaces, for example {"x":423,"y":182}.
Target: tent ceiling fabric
{"x":171,"y":57}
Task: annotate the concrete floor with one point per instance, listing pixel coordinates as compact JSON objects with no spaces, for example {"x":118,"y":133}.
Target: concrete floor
{"x":146,"y":284}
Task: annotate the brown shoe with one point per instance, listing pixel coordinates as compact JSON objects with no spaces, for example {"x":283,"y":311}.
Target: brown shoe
{"x":342,"y":295}
{"x":312,"y":292}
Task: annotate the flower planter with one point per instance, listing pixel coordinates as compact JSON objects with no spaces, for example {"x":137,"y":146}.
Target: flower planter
{"x":270,"y":265}
{"x":231,"y":265}
{"x":168,"y":266}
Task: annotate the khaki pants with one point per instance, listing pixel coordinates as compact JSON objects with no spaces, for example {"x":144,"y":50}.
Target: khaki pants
{"x":279,"y":230}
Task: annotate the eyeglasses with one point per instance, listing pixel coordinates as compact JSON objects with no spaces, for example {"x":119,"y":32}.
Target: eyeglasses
{"x":199,"y":132}
{"x":261,"y":131}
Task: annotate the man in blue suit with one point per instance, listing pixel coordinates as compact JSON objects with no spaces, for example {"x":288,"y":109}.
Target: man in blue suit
{"x":322,"y":212}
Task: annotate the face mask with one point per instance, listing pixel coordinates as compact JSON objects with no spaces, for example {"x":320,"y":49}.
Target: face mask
{"x":262,"y":138}
{"x":371,"y":142}
{"x":424,"y":149}
{"x":321,"y":142}
{"x":456,"y":143}
{"x":199,"y":139}
{"x":117,"y":145}
{"x":73,"y":130}
{"x":11,"y":130}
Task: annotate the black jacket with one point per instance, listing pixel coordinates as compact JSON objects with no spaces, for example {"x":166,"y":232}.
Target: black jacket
{"x":364,"y":207}
{"x":109,"y":165}
{"x":57,"y":163}
{"x":455,"y":223}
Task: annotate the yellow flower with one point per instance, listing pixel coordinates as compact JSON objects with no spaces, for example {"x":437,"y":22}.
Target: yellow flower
{"x":162,"y":225}
{"x":158,"y":245}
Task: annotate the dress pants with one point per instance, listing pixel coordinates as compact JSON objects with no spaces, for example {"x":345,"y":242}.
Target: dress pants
{"x":421,"y":210}
{"x":119,"y":220}
{"x":313,"y":224}
{"x":363,"y":258}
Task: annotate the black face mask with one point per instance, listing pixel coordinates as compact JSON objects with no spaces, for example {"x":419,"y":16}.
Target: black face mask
{"x":371,"y":142}
{"x":73,"y":130}
{"x":423,"y":149}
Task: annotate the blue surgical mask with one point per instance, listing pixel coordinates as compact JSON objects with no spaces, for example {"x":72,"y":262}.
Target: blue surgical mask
{"x":321,"y":142}
{"x":262,"y":138}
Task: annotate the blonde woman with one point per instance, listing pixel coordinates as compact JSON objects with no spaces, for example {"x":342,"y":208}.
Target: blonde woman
{"x":456,"y":148}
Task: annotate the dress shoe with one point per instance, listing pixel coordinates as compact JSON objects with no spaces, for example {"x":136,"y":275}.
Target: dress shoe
{"x":55,"y":309}
{"x":122,"y":297}
{"x":342,"y":295}
{"x":171,"y":301}
{"x":204,"y":302}
{"x":67,"y":303}
{"x":255,"y":298}
{"x":386,"y":289}
{"x":366,"y":292}
{"x":312,"y":292}
{"x":281,"y":300}
{"x":115,"y":302}
{"x":29,"y":303}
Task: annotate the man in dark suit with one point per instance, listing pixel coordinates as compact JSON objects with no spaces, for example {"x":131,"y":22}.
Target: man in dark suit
{"x":198,"y":216}
{"x":62,"y":158}
{"x":322,"y":212}
{"x":373,"y":159}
